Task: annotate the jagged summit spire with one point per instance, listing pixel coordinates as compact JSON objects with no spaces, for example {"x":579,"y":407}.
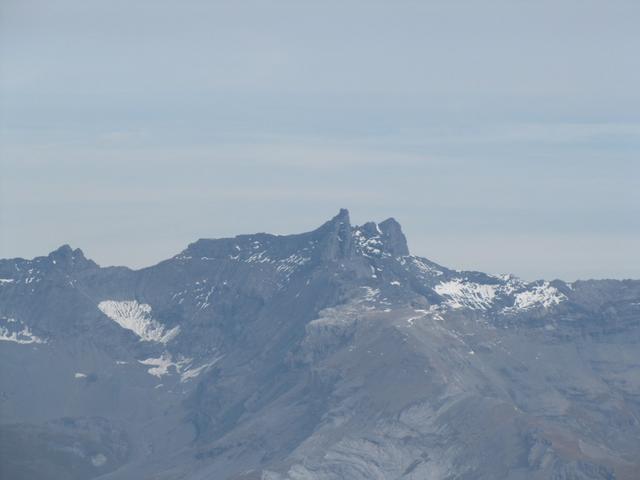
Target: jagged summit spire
{"x":394,"y":238}
{"x":335,"y":239}
{"x":65,"y":251}
{"x":337,"y":236}
{"x":342,"y":216}
{"x":382,"y":238}
{"x":67,"y":256}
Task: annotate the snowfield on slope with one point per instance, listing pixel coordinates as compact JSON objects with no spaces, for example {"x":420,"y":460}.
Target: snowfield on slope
{"x":459,"y":293}
{"x":23,"y":337}
{"x":462,"y":294}
{"x":541,"y":295}
{"x":136,"y":317}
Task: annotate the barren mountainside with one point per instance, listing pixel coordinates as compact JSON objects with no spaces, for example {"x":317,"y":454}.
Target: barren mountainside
{"x":327,"y":355}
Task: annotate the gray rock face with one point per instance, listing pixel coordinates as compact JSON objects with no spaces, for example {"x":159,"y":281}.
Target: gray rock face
{"x":332,"y":354}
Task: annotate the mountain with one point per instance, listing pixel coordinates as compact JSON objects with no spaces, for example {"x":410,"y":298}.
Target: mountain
{"x":332,"y":354}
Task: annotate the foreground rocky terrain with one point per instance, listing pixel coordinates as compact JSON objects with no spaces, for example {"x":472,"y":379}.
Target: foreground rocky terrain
{"x":332,"y":354}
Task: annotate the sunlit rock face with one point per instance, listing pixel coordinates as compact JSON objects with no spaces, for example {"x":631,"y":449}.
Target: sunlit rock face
{"x":331,"y":354}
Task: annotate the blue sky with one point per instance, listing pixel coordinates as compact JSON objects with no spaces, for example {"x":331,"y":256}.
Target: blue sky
{"x":504,"y":136}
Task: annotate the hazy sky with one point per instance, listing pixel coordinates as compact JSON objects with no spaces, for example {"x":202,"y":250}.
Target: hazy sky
{"x":504,"y":136}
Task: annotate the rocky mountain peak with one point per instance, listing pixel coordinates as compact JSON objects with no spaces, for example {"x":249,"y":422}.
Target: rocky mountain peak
{"x":336,"y":237}
{"x":334,"y":240}
{"x":65,"y":256}
{"x":342,"y":239}
{"x":393,"y":238}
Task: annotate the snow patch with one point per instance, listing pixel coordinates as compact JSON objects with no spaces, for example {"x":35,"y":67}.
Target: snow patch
{"x":23,"y":337}
{"x":372,"y":246}
{"x":161,"y":366}
{"x":544,"y":296}
{"x":194,"y":372}
{"x":98,"y":460}
{"x":423,"y":267}
{"x":510,"y":284}
{"x":370,"y":294}
{"x":134,"y":316}
{"x":286,"y":266}
{"x":290,"y":264}
{"x":433,"y":312}
{"x":461,"y":294}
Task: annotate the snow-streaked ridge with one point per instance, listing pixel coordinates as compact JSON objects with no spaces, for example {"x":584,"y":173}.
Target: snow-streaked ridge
{"x":136,"y":317}
{"x":460,"y":293}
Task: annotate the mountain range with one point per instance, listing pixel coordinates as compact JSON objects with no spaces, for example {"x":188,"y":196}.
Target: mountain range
{"x":332,"y":354}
